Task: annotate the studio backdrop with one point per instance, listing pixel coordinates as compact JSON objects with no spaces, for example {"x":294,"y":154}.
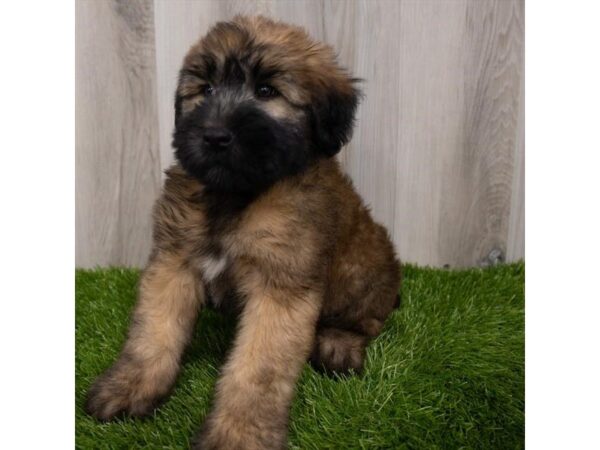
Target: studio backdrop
{"x":438,"y":148}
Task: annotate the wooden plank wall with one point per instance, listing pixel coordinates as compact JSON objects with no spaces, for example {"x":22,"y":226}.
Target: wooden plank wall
{"x":438,"y":151}
{"x":117,"y":154}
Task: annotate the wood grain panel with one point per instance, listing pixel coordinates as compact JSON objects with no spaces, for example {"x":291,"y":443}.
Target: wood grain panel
{"x":117,"y":159}
{"x":478,"y":174}
{"x":429,"y":123}
{"x":516,"y":229}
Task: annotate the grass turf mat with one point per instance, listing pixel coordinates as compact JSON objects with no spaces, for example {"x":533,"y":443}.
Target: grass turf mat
{"x":446,"y":373}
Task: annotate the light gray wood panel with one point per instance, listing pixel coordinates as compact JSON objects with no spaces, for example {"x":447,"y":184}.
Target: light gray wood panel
{"x":428,"y":122}
{"x":478,"y":180}
{"x":117,"y":158}
{"x":516,"y":231}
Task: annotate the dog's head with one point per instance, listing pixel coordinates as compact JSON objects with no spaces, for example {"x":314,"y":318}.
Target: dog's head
{"x":257,"y":101}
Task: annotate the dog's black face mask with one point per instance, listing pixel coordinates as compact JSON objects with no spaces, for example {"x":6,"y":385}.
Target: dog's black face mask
{"x":231,"y":144}
{"x":252,"y":110}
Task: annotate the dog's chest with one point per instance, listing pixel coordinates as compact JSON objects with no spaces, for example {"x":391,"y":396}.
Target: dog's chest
{"x":216,"y":267}
{"x":233,"y":234}
{"x":213,"y":270}
{"x":212,"y":266}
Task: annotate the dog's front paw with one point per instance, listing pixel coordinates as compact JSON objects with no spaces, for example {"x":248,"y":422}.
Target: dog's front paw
{"x":226,"y":434}
{"x":213,"y":437}
{"x":117,"y":392}
{"x":215,"y":441}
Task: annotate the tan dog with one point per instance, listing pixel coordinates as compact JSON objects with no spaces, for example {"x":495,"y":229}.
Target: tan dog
{"x":257,"y":217}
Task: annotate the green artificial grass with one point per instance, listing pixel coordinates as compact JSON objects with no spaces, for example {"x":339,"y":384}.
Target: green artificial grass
{"x":446,"y":373}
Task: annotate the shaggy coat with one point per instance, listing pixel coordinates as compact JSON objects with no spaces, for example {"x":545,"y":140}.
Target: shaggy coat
{"x":256,"y":217}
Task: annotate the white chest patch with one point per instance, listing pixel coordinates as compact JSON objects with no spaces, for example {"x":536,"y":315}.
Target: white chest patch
{"x":212,"y":267}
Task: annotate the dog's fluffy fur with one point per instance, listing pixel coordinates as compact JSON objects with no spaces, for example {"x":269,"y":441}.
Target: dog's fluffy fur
{"x":256,"y":217}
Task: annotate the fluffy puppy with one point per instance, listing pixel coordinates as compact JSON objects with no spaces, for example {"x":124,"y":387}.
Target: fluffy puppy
{"x":256,"y":217}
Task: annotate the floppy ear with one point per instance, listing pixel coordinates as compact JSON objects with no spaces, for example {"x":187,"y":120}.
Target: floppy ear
{"x":333,"y":120}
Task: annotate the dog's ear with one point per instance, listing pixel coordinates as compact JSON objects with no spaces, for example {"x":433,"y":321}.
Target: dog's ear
{"x":332,"y":119}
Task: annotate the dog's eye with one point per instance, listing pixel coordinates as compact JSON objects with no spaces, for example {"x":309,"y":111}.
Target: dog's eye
{"x":207,"y":90}
{"x":266,"y":91}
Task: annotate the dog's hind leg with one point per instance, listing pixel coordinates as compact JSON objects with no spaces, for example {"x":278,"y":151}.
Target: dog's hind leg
{"x":343,"y":336}
{"x":338,"y":351}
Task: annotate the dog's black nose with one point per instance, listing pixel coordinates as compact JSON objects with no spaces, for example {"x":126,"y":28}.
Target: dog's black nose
{"x":218,"y":138}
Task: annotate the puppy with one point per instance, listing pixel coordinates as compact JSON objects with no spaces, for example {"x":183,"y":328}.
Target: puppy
{"x":256,"y":217}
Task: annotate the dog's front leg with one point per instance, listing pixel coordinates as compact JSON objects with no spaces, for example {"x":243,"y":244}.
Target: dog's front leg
{"x":254,"y":394}
{"x":162,"y":325}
